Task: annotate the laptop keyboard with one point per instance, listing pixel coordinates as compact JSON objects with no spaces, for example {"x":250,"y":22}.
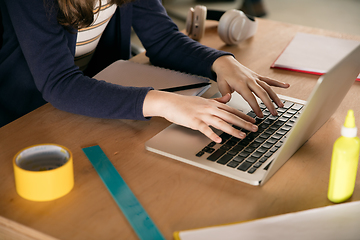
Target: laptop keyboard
{"x":249,"y":154}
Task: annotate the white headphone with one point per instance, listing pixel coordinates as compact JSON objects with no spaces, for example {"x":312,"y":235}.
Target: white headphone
{"x":234,"y":26}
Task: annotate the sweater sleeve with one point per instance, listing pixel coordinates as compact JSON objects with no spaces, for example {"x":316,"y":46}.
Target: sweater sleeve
{"x":166,"y":46}
{"x":45,"y":48}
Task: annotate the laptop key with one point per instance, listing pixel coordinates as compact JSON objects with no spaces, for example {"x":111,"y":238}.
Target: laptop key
{"x":288,"y":104}
{"x":275,"y":127}
{"x":249,"y":149}
{"x":272,"y":140}
{"x":272,"y":118}
{"x":258,"y":121}
{"x":292,"y":112}
{"x":237,"y":148}
{"x":231,"y":142}
{"x":232,"y":152}
{"x":286,"y":128}
{"x":251,"y":159}
{"x":244,"y":166}
{"x":281,"y":132}
{"x":258,"y":164}
{"x":225,"y":147}
{"x":251,"y":114}
{"x":235,"y":139}
{"x":281,"y":110}
{"x":277,"y":136}
{"x":255,"y":144}
{"x":267,"y":145}
{"x":224,"y":136}
{"x":252,"y":170}
{"x":263,"y":159}
{"x":268,"y":154}
{"x":199,"y":154}
{"x":238,"y":159}
{"x":252,"y":136}
{"x":215,"y":156}
{"x":264,"y":135}
{"x":244,"y":154}
{"x":262,"y":150}
{"x":266,"y":113}
{"x":225,"y":159}
{"x":270,"y":131}
{"x":233,"y":164}
{"x":257,"y":154}
{"x":297,"y":107}
{"x":274,"y":149}
{"x":262,"y":105}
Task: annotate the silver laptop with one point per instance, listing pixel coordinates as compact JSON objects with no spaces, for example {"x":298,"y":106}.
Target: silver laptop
{"x":256,"y":158}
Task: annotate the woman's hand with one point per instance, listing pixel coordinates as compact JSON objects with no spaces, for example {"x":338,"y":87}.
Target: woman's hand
{"x":198,"y":113}
{"x":233,"y":76}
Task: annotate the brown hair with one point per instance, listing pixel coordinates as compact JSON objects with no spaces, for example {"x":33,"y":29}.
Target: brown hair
{"x":80,"y":13}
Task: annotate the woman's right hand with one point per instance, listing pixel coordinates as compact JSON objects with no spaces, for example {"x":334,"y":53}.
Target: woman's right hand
{"x":198,"y":113}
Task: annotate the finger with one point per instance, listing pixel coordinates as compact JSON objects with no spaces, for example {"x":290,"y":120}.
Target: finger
{"x":237,"y":113}
{"x":226,"y":127}
{"x":207,"y":131}
{"x":262,"y":93}
{"x":224,"y":87}
{"x":248,"y":95}
{"x":228,"y":117}
{"x":224,"y":99}
{"x":271,"y":93}
{"x":273,"y":82}
{"x":264,"y":96}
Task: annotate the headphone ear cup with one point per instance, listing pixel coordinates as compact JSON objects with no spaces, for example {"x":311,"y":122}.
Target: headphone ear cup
{"x":195,"y":22}
{"x":234,"y":27}
{"x":189,"y":21}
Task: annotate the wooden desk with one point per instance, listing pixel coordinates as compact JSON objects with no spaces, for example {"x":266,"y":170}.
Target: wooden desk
{"x":177,"y":196}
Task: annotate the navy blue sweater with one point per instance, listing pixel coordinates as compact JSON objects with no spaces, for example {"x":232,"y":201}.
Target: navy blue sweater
{"x":37,"y":59}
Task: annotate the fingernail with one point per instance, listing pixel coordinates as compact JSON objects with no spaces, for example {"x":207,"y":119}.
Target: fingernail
{"x":242,"y":135}
{"x":254,"y":128}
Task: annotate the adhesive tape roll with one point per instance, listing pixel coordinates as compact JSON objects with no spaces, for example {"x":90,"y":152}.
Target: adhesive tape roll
{"x":43,"y":172}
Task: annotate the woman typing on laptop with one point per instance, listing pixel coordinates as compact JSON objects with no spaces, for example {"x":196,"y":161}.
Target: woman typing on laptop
{"x":42,"y":38}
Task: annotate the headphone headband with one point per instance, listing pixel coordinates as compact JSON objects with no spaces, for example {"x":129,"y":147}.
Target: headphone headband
{"x":214,"y":14}
{"x":217,"y":14}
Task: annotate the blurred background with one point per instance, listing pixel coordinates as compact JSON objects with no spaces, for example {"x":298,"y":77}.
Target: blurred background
{"x":335,"y":15}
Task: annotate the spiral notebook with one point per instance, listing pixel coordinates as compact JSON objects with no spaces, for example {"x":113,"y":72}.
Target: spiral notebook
{"x":127,"y":73}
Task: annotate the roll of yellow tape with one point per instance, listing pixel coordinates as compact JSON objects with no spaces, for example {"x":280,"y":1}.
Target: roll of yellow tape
{"x":43,"y":172}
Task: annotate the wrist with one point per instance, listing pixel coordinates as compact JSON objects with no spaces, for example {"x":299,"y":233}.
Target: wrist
{"x":222,"y":62}
{"x":154,"y":103}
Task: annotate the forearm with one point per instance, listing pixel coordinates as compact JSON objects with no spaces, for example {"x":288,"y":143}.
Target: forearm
{"x":166,"y":46}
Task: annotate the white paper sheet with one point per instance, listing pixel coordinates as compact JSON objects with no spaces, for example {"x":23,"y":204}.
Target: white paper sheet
{"x":337,"y":222}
